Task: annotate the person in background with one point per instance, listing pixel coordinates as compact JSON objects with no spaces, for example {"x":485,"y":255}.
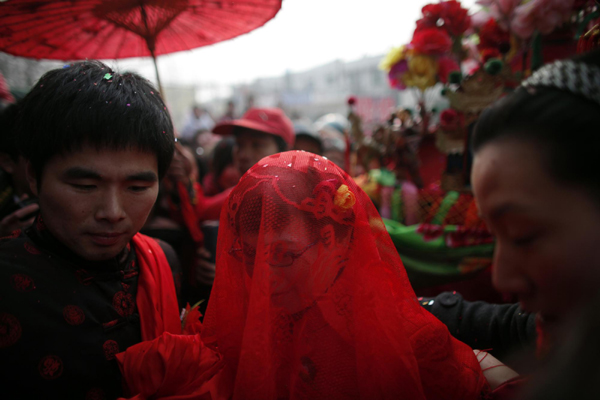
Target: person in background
{"x":259,"y":133}
{"x":334,"y":144}
{"x":229,"y":112}
{"x":6,"y":98}
{"x":199,"y":121}
{"x":81,"y":284}
{"x":18,"y":206}
{"x":224,"y":173}
{"x":306,"y":138}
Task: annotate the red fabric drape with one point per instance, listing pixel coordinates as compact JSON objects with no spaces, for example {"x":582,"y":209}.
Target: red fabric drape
{"x":188,"y":213}
{"x":170,"y":367}
{"x":167,"y":364}
{"x":156,"y":296}
{"x":311,"y":300}
{"x":198,"y":208}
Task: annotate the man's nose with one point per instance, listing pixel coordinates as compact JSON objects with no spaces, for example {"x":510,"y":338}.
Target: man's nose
{"x":110,"y":207}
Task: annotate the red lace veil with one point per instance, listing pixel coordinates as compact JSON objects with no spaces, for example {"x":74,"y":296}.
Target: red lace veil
{"x":311,"y":300}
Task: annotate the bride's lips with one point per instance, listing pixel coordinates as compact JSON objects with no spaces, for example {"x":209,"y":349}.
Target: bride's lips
{"x":106,"y":238}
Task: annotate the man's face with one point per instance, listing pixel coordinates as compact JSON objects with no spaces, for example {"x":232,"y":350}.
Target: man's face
{"x":94,"y":201}
{"x":252,"y":146}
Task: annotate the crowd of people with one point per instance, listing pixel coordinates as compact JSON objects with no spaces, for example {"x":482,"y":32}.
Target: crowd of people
{"x":133,"y":265}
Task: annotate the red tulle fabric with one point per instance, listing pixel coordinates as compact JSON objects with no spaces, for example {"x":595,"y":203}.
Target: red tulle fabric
{"x":311,"y":300}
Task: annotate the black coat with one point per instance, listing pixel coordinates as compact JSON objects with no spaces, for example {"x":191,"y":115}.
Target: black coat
{"x":503,"y":329}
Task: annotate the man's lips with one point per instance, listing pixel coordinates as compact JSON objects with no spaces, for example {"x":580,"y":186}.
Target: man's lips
{"x":106,"y":238}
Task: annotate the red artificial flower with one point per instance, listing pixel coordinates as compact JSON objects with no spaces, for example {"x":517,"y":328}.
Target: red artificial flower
{"x":351,"y":100}
{"x":489,"y":53}
{"x":451,"y":120}
{"x":491,"y":35}
{"x":431,"y":42}
{"x":432,"y":12}
{"x":425,"y":23}
{"x":456,"y":19}
{"x":446,"y":65}
{"x":191,"y":324}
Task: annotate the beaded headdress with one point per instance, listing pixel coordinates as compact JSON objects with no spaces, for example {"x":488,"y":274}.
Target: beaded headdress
{"x":578,"y":78}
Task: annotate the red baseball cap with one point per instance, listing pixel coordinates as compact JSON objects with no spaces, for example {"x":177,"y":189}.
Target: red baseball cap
{"x":268,"y":120}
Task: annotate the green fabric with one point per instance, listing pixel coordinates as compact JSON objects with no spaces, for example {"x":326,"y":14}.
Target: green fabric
{"x":537,"y":57}
{"x":586,"y":21}
{"x":444,"y":208}
{"x":411,"y":245}
{"x":383,"y":177}
{"x":397,"y":209}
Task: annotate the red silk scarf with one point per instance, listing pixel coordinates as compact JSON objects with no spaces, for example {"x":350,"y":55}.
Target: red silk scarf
{"x":156,"y":297}
{"x":167,"y":364}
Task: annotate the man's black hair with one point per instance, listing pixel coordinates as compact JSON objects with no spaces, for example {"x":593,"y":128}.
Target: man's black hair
{"x":562,"y":125}
{"x":87,"y":103}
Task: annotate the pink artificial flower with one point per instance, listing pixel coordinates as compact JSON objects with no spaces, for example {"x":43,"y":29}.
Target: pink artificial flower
{"x":500,"y":10}
{"x":507,"y":7}
{"x":541,"y":15}
{"x":396,"y":74}
{"x":480,"y":18}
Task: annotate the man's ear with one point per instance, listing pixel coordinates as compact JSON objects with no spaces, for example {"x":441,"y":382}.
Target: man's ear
{"x":7,"y":163}
{"x":32,"y":178}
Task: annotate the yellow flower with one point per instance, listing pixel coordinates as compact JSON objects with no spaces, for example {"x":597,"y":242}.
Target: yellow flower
{"x":422,"y":72}
{"x":395,"y":55}
{"x":344,"y":198}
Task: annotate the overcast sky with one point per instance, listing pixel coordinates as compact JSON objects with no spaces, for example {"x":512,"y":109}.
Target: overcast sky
{"x":304,"y":34}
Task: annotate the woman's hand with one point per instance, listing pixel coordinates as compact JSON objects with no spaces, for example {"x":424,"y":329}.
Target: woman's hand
{"x":493,"y":369}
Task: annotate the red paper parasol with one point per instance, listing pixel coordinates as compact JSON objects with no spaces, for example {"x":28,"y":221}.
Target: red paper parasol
{"x":113,"y":29}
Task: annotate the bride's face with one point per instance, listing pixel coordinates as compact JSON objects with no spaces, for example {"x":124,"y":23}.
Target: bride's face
{"x":299,"y":261}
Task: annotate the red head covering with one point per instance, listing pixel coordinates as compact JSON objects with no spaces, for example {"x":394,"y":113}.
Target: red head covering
{"x":268,"y":120}
{"x":311,"y":300}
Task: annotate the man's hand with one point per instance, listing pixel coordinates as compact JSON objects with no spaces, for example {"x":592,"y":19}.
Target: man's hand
{"x":13,"y":221}
{"x":494,"y":370}
{"x":205,"y":268}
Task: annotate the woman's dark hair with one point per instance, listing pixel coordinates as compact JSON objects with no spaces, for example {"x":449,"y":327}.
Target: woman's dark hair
{"x":563,"y":125}
{"x":89,"y":104}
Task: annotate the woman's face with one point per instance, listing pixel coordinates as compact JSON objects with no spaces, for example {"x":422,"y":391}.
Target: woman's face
{"x":299,"y":264}
{"x":548,"y":233}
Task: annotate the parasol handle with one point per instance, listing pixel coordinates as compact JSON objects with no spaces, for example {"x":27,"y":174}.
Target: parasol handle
{"x":151,"y":43}
{"x":160,"y":89}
